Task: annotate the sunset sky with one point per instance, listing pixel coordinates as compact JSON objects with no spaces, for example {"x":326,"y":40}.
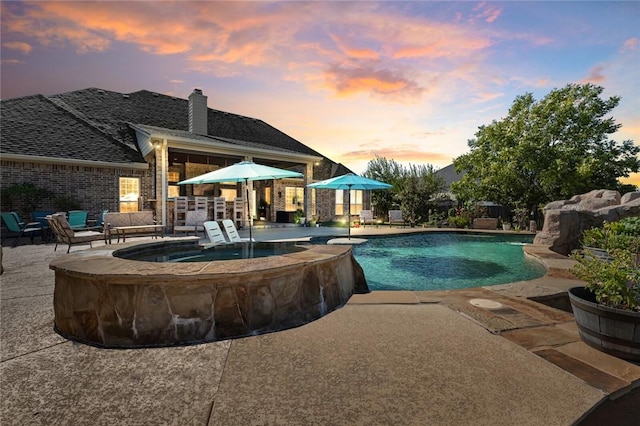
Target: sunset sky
{"x":409,"y":81}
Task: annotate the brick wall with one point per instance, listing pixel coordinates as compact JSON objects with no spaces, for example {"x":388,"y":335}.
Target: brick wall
{"x":95,"y":188}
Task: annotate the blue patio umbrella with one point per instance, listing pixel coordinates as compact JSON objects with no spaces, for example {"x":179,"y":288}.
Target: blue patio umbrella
{"x":348,"y":182}
{"x":243,"y":171}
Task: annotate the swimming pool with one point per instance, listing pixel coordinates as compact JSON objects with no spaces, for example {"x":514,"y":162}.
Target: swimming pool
{"x":445,"y":261}
{"x":232,"y":251}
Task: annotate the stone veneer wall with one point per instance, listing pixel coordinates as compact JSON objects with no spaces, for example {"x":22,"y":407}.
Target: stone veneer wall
{"x":107,"y":301}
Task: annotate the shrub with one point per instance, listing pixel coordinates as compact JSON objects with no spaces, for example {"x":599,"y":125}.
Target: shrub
{"x":614,"y":278}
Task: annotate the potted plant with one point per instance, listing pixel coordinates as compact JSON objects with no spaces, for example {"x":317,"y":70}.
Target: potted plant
{"x":607,"y":308}
{"x":299,"y":217}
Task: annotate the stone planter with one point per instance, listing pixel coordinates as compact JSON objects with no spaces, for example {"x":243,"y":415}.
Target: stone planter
{"x":610,"y":330}
{"x":506,"y":227}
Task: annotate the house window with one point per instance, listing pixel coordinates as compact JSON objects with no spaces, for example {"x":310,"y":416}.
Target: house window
{"x":339,"y":202}
{"x":356,"y":201}
{"x":294,"y":198}
{"x":174,"y":191}
{"x":229,"y":194}
{"x":267,"y":195}
{"x":356,"y":204}
{"x":129,"y":194}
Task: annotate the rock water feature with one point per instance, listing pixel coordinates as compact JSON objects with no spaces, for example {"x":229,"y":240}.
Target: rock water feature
{"x":108,"y":301}
{"x":565,"y":220}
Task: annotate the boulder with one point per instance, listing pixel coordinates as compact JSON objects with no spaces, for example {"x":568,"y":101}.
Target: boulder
{"x":565,"y":220}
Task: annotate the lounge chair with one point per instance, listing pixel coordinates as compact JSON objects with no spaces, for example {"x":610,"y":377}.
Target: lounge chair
{"x":65,"y":235}
{"x":395,"y":216}
{"x":366,"y":216}
{"x":232,"y":232}
{"x":194,"y":222}
{"x":16,"y":226}
{"x":214,"y":233}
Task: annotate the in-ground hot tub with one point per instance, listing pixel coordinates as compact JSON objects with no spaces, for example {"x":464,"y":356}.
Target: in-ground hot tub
{"x":106,"y":300}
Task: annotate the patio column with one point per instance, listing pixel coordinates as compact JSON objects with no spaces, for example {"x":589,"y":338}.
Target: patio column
{"x":308,"y":174}
{"x":162,"y":165}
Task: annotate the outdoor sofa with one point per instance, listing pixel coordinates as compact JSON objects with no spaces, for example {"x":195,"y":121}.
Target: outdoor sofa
{"x":133,"y":223}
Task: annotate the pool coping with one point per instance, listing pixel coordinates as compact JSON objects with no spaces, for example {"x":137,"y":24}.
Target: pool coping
{"x":530,"y":317}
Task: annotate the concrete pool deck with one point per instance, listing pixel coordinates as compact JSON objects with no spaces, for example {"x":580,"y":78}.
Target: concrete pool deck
{"x":386,"y":358}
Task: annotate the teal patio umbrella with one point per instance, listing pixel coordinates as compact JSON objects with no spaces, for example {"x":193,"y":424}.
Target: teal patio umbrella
{"x":243,"y":171}
{"x":348,"y":182}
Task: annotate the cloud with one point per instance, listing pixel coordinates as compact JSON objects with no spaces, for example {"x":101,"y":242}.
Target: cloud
{"x":10,"y":61}
{"x":346,"y":81}
{"x":486,"y":12}
{"x":22,"y":47}
{"x":595,"y":76}
{"x":399,"y":153}
{"x":375,"y":48}
{"x":630,"y":45}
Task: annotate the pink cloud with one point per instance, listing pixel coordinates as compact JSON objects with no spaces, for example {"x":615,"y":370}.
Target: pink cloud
{"x":355,"y":50}
{"x":596,"y":76}
{"x":487,"y":13}
{"x":347,"y":81}
{"x":630,"y":45}
{"x":24,"y":48}
{"x":405,"y":153}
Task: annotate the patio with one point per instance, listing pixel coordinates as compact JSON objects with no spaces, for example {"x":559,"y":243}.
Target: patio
{"x":385,"y":358}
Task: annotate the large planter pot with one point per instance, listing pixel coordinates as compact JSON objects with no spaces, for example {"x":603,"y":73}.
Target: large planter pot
{"x":609,"y":330}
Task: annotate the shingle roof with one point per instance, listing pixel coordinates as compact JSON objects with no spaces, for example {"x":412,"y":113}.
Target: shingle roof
{"x":34,"y":125}
{"x":154,"y":109}
{"x":449,"y":174}
{"x":94,"y":124}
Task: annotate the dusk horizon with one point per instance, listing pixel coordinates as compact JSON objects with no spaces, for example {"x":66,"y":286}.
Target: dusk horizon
{"x":408,"y":81}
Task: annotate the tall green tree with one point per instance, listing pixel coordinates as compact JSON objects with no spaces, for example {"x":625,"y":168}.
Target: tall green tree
{"x":413,"y":188}
{"x":388,"y":171}
{"x":547,"y":150}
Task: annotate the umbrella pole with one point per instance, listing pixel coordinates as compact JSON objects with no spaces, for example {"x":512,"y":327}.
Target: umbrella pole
{"x":246,"y":185}
{"x":349,"y":213}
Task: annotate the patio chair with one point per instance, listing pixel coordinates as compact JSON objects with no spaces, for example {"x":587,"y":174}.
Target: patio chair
{"x":40,"y":216}
{"x":65,"y":235}
{"x":366,"y":216}
{"x":395,"y":216}
{"x":232,"y":232}
{"x":15,"y":225}
{"x":78,"y":219}
{"x":214,"y":233}
{"x":194,"y":222}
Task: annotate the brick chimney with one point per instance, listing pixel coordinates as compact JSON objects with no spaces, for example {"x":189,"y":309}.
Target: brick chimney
{"x":197,"y":112}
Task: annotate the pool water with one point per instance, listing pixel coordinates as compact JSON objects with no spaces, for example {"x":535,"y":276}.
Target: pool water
{"x":222,"y":252}
{"x":445,"y":261}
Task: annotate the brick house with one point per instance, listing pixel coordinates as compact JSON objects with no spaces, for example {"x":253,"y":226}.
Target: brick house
{"x":124,"y":152}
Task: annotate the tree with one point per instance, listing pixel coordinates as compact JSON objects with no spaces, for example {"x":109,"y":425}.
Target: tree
{"x":388,"y":171}
{"x":413,"y":188}
{"x":547,"y":150}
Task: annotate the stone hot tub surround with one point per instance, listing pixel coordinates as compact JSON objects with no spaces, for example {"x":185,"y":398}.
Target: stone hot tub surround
{"x":103,"y":300}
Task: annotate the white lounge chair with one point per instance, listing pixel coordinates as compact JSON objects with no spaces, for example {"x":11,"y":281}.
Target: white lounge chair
{"x":232,"y":232}
{"x":214,"y":233}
